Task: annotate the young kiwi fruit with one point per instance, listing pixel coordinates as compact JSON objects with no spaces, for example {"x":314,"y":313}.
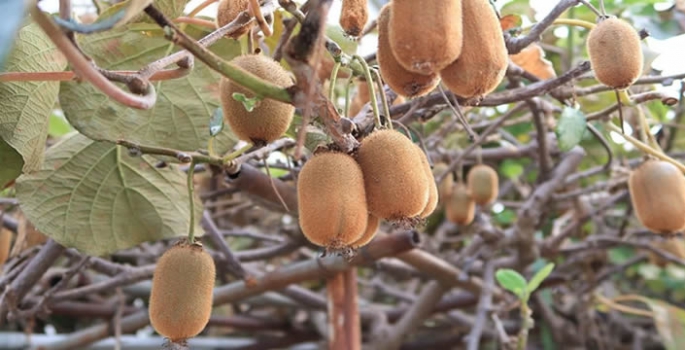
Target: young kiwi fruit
{"x":483,"y":184}
{"x":444,"y":187}
{"x":615,"y":53}
{"x":5,"y":242}
{"x":425,"y":36}
{"x":460,"y":208}
{"x":331,"y":200}
{"x":400,"y":80}
{"x":672,"y":245}
{"x":657,"y":191}
{"x":228,"y":11}
{"x":370,"y":232}
{"x":433,"y":195}
{"x":270,"y":118}
{"x":181,"y":295}
{"x":353,"y":16}
{"x":396,"y":184}
{"x":484,"y":58}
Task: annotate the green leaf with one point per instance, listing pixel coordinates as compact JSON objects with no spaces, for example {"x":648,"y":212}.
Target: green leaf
{"x":511,"y":169}
{"x":670,"y":323}
{"x":540,"y":276}
{"x":512,"y":281}
{"x":181,"y":116}
{"x":570,"y":128}
{"x":11,"y":164}
{"x":216,"y":122}
{"x":248,"y":102}
{"x":26,"y":105}
{"x":95,"y":197}
{"x":58,"y":126}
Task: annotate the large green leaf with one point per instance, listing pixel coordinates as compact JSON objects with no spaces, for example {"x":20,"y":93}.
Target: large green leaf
{"x":26,"y":105}
{"x":180,"y":118}
{"x":10,"y":164}
{"x":97,"y":198}
{"x":570,"y":128}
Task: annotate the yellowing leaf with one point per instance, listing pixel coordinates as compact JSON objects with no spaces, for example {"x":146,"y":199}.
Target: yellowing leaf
{"x":510,"y":21}
{"x":532,"y":60}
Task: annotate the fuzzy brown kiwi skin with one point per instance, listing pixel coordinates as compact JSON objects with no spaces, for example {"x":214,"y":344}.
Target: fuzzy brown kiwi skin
{"x":396,"y":184}
{"x":400,"y":80}
{"x":228,"y":11}
{"x":615,"y":53}
{"x":372,"y":225}
{"x":460,"y":208}
{"x":5,"y":242}
{"x":332,"y":200}
{"x":270,"y":118}
{"x":425,"y":36}
{"x":433,"y":195}
{"x":484,"y":59}
{"x":353,"y":16}
{"x":181,"y":294}
{"x":657,"y":192}
{"x":483,"y":184}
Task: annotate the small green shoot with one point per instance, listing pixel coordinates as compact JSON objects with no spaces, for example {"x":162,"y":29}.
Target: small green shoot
{"x":248,"y":102}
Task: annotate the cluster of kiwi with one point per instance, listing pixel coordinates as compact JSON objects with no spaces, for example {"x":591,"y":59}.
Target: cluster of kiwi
{"x":342,"y":199}
{"x":657,"y":192}
{"x":460,"y":199}
{"x":463,"y":45}
{"x":181,"y":294}
{"x":270,"y":118}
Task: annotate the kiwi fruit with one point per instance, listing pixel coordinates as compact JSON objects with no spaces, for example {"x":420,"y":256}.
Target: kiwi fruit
{"x":433,"y":195}
{"x":5,"y":242}
{"x":445,"y":186}
{"x":484,"y":58}
{"x":181,"y":295}
{"x":396,"y":184}
{"x":228,"y":11}
{"x":353,"y":16}
{"x":615,"y":53}
{"x":370,"y":232}
{"x":332,"y":200}
{"x":425,"y":36}
{"x":483,"y":184}
{"x":672,"y":245}
{"x":403,"y":82}
{"x":270,"y":118}
{"x":460,"y":208}
{"x":657,"y":192}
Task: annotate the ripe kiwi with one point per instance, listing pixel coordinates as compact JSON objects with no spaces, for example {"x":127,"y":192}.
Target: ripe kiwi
{"x":270,"y":118}
{"x":657,"y":191}
{"x":396,"y":184}
{"x":615,"y":53}
{"x":228,"y":11}
{"x":483,"y":184}
{"x":433,"y":195}
{"x":484,"y":58}
{"x":332,"y":200}
{"x":181,"y":295}
{"x":400,"y":80}
{"x":370,"y":232}
{"x":425,"y":36}
{"x":353,"y":16}
{"x":672,"y":245}
{"x":444,"y":187}
{"x":5,"y":242}
{"x":460,"y":208}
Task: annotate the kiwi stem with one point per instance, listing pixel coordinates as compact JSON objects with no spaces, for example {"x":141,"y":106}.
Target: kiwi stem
{"x":574,"y":22}
{"x":201,"y":7}
{"x":237,"y":153}
{"x":620,"y":111}
{"x":646,"y":134}
{"x":372,"y":90}
{"x":384,"y":99}
{"x":191,"y":190}
{"x":256,"y":11}
{"x":646,"y":148}
{"x":591,"y":7}
{"x":623,"y":308}
{"x":460,"y":116}
{"x":334,"y":77}
{"x":601,"y":6}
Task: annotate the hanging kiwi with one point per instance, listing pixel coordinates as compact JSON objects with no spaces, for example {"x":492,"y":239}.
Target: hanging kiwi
{"x":483,"y":184}
{"x":332,"y":200}
{"x":425,"y":36}
{"x":396,"y":185}
{"x":270,"y":118}
{"x":615,"y":53}
{"x":228,"y":11}
{"x":657,"y":192}
{"x":460,"y":208}
{"x":353,"y":16}
{"x":372,"y":225}
{"x":433,"y":195}
{"x":181,"y":295}
{"x":403,"y":82}
{"x":484,"y":58}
